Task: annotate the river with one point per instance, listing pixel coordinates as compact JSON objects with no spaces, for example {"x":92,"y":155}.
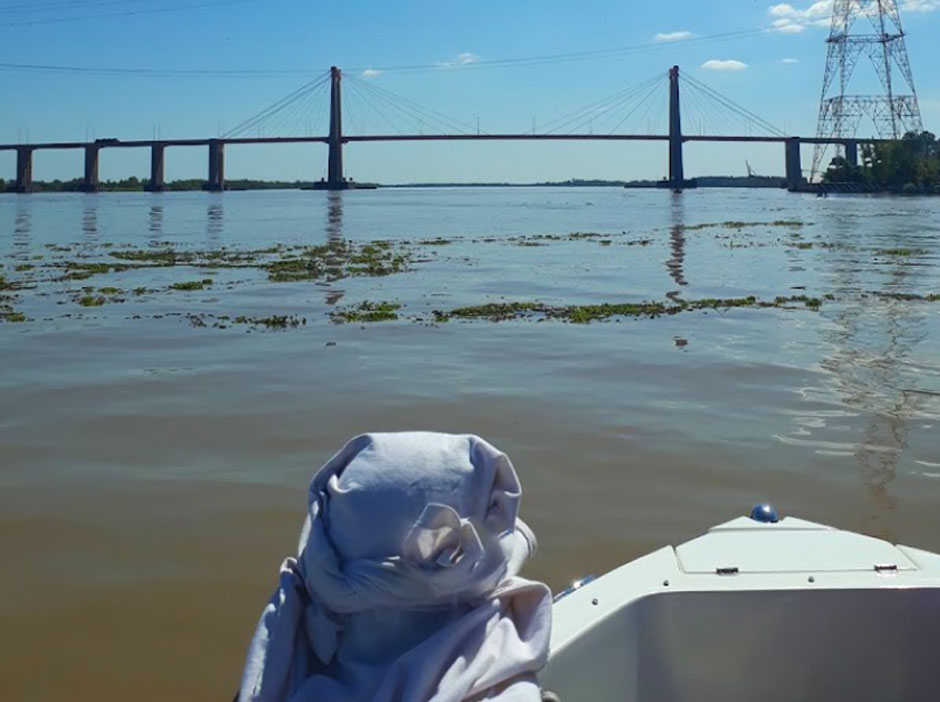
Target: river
{"x":155,"y":442}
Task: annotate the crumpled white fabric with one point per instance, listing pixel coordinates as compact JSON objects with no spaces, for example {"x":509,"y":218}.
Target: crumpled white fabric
{"x":406,"y":583}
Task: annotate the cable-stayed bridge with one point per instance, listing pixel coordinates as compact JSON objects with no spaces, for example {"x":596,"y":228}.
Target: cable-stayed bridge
{"x":654,"y":110}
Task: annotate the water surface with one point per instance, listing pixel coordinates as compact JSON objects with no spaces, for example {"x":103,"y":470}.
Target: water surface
{"x":154,"y":464}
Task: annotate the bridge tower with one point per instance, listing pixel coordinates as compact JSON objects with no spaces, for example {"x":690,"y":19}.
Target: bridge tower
{"x":677,"y":179}
{"x":893,"y":112}
{"x":676,"y":166}
{"x":335,"y":180}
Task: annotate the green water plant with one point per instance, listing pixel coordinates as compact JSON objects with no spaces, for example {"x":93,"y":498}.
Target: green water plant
{"x":92,"y":300}
{"x":272,"y":322}
{"x":367,"y":312}
{"x":192,"y":285}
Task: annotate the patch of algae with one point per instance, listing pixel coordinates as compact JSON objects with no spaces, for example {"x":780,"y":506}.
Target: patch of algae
{"x":367,"y":312}
{"x":585,"y":314}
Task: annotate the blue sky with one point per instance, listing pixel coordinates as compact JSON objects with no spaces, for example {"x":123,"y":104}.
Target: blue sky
{"x":776,"y":74}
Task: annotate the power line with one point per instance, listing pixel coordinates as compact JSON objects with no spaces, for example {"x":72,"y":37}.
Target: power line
{"x":427,"y":67}
{"x":123,"y":13}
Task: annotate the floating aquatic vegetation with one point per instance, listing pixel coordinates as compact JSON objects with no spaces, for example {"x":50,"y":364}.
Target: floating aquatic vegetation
{"x":901,"y":252}
{"x":494,"y":311}
{"x":273,"y":322}
{"x":908,"y":297}
{"x":192,"y":285}
{"x":367,"y":312}
{"x":23,"y":267}
{"x":814,"y":303}
{"x":165,"y":257}
{"x":585,"y":314}
{"x":110,"y":291}
{"x":337,"y":260}
{"x":83,"y":271}
{"x":92,"y":300}
{"x":737,"y":224}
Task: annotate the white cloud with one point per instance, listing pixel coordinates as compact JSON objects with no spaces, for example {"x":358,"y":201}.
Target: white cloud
{"x":790,"y":61}
{"x":371,"y":73}
{"x":673,"y":36}
{"x":464,"y":59}
{"x":724,"y":65}
{"x":920,"y":5}
{"x":793,"y":20}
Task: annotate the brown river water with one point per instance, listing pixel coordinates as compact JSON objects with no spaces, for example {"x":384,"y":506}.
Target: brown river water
{"x":155,"y":450}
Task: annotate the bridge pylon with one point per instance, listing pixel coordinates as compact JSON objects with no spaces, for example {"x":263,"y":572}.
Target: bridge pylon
{"x":335,"y":179}
{"x":677,"y":179}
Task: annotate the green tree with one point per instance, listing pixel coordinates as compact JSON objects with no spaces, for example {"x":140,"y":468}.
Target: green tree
{"x":911,"y":164}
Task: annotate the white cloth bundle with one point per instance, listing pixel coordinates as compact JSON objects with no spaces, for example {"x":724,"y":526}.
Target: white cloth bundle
{"x":405,"y":587}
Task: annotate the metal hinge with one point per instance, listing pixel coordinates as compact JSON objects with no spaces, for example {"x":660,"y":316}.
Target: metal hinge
{"x":886,"y":568}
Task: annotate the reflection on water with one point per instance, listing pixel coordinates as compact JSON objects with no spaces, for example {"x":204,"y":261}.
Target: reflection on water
{"x":868,"y":346}
{"x":334,"y":233}
{"x":90,"y":217}
{"x":22,"y":228}
{"x":155,"y":221}
{"x":675,"y":265}
{"x":334,"y":215}
{"x":215,"y":221}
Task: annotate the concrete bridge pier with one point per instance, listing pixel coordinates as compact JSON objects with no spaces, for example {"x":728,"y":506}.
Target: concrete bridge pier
{"x":335,"y":179}
{"x":676,"y":166}
{"x":216,"y":182}
{"x":24,"y":170}
{"x":90,"y":183}
{"x":794,"y":164}
{"x":157,"y":182}
{"x":851,"y":152}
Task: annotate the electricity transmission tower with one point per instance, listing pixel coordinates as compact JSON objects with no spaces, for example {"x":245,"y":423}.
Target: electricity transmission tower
{"x":894,"y":109}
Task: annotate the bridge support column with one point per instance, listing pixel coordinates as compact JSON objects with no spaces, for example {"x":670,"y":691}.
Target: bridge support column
{"x":216,"y":182}
{"x":157,"y":182}
{"x":90,"y":183}
{"x":677,"y":179}
{"x":24,"y":170}
{"x":794,"y":163}
{"x":851,"y":152}
{"x":334,"y":179}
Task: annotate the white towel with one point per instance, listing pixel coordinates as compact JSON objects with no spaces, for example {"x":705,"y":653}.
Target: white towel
{"x":406,"y":583}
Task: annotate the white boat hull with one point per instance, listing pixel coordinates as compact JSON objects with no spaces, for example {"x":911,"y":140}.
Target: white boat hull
{"x":750,"y":611}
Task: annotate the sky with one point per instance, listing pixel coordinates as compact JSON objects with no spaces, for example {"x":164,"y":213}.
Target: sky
{"x":190,"y":69}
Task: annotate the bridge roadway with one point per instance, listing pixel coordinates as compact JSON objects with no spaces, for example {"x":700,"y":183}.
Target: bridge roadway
{"x":349,"y":139}
{"x":216,"y":175}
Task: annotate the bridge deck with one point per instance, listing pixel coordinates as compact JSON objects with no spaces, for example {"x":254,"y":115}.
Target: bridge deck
{"x":147,"y":143}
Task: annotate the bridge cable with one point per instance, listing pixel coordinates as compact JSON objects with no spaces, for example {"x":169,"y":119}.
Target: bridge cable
{"x":636,"y":107}
{"x":730,"y":104}
{"x":377,"y":111}
{"x":407,"y":112}
{"x":564,"y":120}
{"x":599,"y":108}
{"x":281,"y":104}
{"x":414,"y":107}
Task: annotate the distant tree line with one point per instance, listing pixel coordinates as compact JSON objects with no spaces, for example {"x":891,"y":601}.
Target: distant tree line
{"x":911,"y":165}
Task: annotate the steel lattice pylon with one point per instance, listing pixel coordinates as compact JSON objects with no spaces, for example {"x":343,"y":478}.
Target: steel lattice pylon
{"x":893,"y":112}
